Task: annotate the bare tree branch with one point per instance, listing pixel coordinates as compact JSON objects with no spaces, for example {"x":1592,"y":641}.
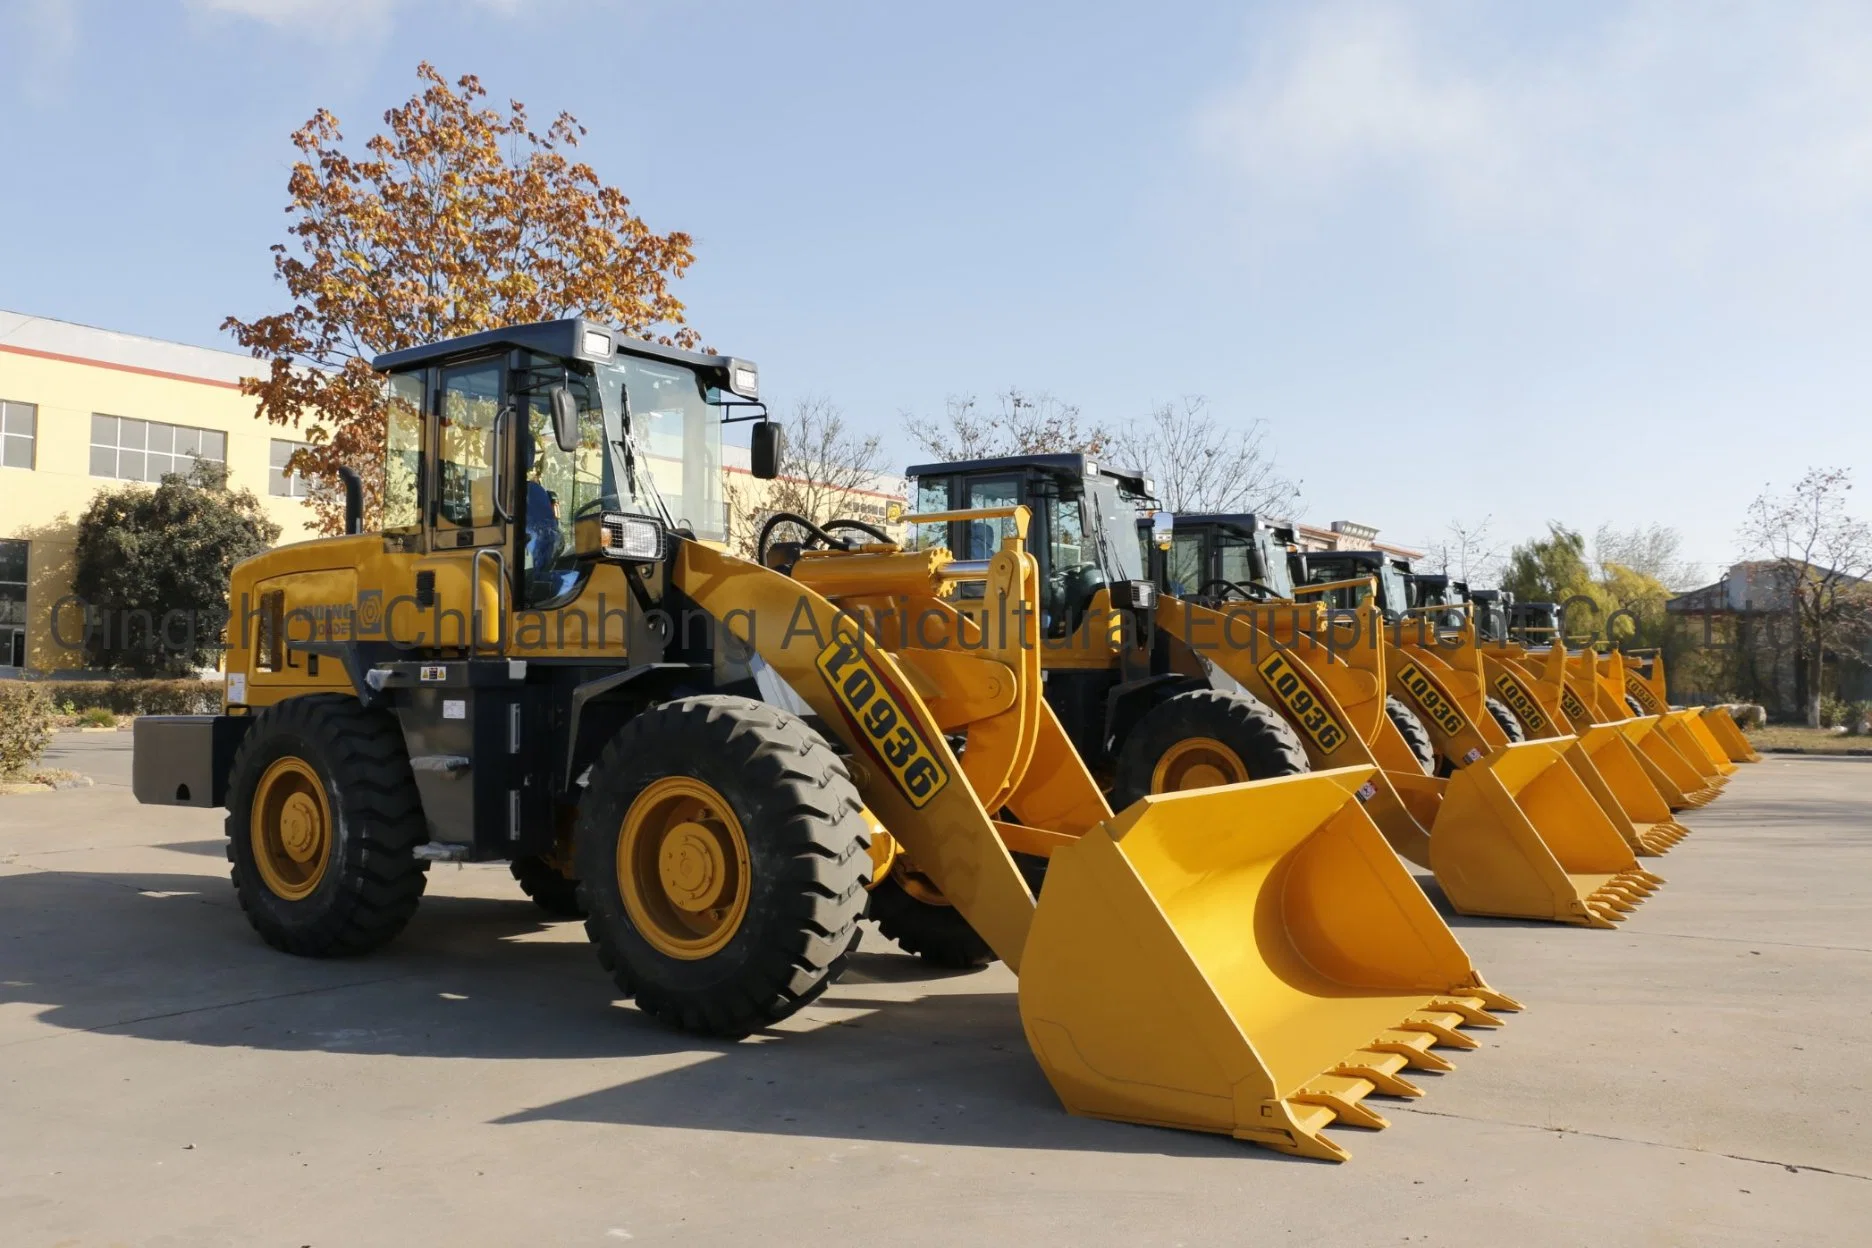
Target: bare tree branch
{"x":827,"y":470}
{"x":1822,"y":557}
{"x":1017,"y":422}
{"x":1200,"y":465}
{"x":1467,"y":553}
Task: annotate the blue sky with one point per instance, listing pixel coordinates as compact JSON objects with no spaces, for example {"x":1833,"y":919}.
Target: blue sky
{"x":1595,"y":262}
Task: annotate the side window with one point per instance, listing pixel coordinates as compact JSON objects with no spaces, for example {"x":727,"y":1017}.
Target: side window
{"x":984,"y":536}
{"x":1236,"y":565}
{"x":471,"y":395}
{"x":402,"y":483}
{"x":932,"y":494}
{"x":1066,"y":534}
{"x":1183,"y":565}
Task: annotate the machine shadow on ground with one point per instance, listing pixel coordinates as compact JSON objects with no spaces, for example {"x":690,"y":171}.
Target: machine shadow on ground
{"x":169,"y":958}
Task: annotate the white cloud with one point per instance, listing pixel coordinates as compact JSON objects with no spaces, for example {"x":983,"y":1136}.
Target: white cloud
{"x":1667,"y":130}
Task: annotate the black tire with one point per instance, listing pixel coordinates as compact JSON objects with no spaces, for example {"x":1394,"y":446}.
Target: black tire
{"x":1631,"y":704}
{"x":1414,"y":733}
{"x":549,"y":887}
{"x":806,"y":844}
{"x":1506,"y":718}
{"x":372,"y":879}
{"x":1261,"y":739}
{"x":936,"y":931}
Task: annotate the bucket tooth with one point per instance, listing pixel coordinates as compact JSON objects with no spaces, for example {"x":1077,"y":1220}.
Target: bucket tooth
{"x":1471,"y":1008}
{"x":1442,"y":1026}
{"x":1595,"y":915}
{"x":1492,"y":999}
{"x":1300,"y":1135}
{"x":1344,"y":1095}
{"x":1413,"y":1047}
{"x":1379,"y":1068}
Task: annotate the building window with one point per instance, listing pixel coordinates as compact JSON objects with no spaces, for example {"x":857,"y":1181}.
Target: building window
{"x":13,"y":603}
{"x":280,"y":480}
{"x":147,"y":450}
{"x":19,"y":429}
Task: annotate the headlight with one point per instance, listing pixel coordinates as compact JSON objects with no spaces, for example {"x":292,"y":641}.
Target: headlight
{"x":597,"y":342}
{"x":634,"y":539}
{"x":744,"y":379}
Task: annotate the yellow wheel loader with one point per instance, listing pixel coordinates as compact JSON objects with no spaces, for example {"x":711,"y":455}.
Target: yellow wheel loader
{"x":1523,"y":844}
{"x":1511,"y":829}
{"x":1526,"y":706}
{"x":1713,"y":727}
{"x":541,"y":655}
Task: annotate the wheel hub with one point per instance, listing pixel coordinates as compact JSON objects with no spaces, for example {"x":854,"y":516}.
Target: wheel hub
{"x":301,"y":830}
{"x":693,"y":867}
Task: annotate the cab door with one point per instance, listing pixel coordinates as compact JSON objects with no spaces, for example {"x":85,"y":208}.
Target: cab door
{"x":466,"y":574}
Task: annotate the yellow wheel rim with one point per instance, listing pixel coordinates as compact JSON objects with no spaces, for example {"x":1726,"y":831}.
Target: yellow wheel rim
{"x":683,"y":868}
{"x":1197,"y":763}
{"x":291,"y":828}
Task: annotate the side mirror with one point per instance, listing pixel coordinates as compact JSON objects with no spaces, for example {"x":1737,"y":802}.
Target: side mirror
{"x":565,"y":418}
{"x":1163,"y":525}
{"x":764,"y":451}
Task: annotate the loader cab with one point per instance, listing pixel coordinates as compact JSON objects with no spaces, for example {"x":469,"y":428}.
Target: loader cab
{"x":1082,"y":531}
{"x":1328,"y":567}
{"x":1429,"y":589}
{"x":529,"y":448}
{"x":1491,"y":608}
{"x":1535,"y":623}
{"x":1242,"y":556}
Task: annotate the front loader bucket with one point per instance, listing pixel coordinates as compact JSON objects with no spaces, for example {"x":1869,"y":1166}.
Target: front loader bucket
{"x":1521,"y":836}
{"x":1692,"y":788}
{"x":1621,"y":769}
{"x":1250,"y":960}
{"x":1722,"y":726}
{"x":1695,"y":729}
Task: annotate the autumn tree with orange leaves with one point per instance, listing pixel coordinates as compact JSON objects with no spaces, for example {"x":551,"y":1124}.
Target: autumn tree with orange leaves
{"x":457,"y":218}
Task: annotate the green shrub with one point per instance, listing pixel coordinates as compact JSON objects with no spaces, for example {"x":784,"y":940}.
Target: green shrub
{"x":130,"y":697}
{"x":1832,"y":710}
{"x":25,"y":727}
{"x":1857,"y":713}
{"x":98,"y":717}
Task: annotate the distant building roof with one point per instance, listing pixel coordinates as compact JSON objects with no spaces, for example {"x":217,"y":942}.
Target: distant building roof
{"x":1349,"y":535}
{"x":42,"y":336}
{"x":1753,"y":585}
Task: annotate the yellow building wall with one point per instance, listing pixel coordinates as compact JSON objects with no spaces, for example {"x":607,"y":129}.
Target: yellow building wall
{"x":43,"y":504}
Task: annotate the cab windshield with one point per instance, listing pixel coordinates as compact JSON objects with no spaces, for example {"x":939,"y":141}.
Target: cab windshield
{"x":674,"y":459}
{"x":1392,"y":593}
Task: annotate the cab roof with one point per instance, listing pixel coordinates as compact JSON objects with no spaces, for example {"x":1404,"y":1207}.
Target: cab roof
{"x":1069,"y":465}
{"x":572,"y":338}
{"x":1246,"y":521}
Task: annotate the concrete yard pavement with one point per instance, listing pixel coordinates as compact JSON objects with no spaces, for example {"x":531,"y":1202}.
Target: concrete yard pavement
{"x":1698,"y":1076}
